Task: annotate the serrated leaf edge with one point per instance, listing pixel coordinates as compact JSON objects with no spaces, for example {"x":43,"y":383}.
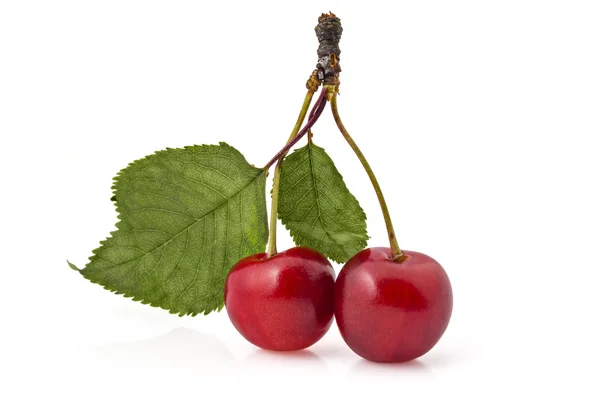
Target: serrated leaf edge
{"x":213,"y":306}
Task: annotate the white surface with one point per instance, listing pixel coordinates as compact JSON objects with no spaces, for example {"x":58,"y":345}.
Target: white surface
{"x":481,"y":120}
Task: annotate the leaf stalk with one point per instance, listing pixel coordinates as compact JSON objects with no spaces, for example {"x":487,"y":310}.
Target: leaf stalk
{"x":315,"y":113}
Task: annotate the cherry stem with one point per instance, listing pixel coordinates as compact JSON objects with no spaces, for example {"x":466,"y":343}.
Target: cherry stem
{"x":397,"y":254}
{"x":277,"y":176}
{"x":315,"y":113}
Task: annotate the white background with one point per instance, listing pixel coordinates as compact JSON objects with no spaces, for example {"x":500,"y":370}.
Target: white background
{"x":480,"y":118}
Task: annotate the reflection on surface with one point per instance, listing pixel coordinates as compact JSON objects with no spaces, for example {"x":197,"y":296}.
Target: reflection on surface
{"x":438,"y":358}
{"x":287,"y":363}
{"x":304,"y":356}
{"x":179,"y":350}
{"x":331,"y":350}
{"x":415,"y":367}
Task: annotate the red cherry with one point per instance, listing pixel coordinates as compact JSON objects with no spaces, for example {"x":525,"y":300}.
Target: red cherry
{"x":283,"y":302}
{"x":392,"y":312}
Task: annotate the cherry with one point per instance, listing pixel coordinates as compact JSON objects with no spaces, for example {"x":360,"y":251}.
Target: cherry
{"x":390,"y":311}
{"x":281,"y":302}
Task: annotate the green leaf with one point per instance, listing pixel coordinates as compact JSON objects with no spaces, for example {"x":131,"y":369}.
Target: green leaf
{"x":187,"y":216}
{"x":317,"y":207}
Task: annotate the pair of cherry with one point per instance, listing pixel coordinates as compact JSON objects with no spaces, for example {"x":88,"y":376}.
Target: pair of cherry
{"x":390,"y":305}
{"x":386,"y":310}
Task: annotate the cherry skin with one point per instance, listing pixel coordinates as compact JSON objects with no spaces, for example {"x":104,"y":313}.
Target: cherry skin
{"x":283,"y":302}
{"x":392,"y":312}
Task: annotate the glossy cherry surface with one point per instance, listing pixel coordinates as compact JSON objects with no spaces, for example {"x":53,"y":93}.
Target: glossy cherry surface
{"x":392,"y":312}
{"x":283,"y":302}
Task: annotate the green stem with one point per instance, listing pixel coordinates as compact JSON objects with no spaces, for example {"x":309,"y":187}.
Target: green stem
{"x":397,"y":254}
{"x":277,"y":177}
